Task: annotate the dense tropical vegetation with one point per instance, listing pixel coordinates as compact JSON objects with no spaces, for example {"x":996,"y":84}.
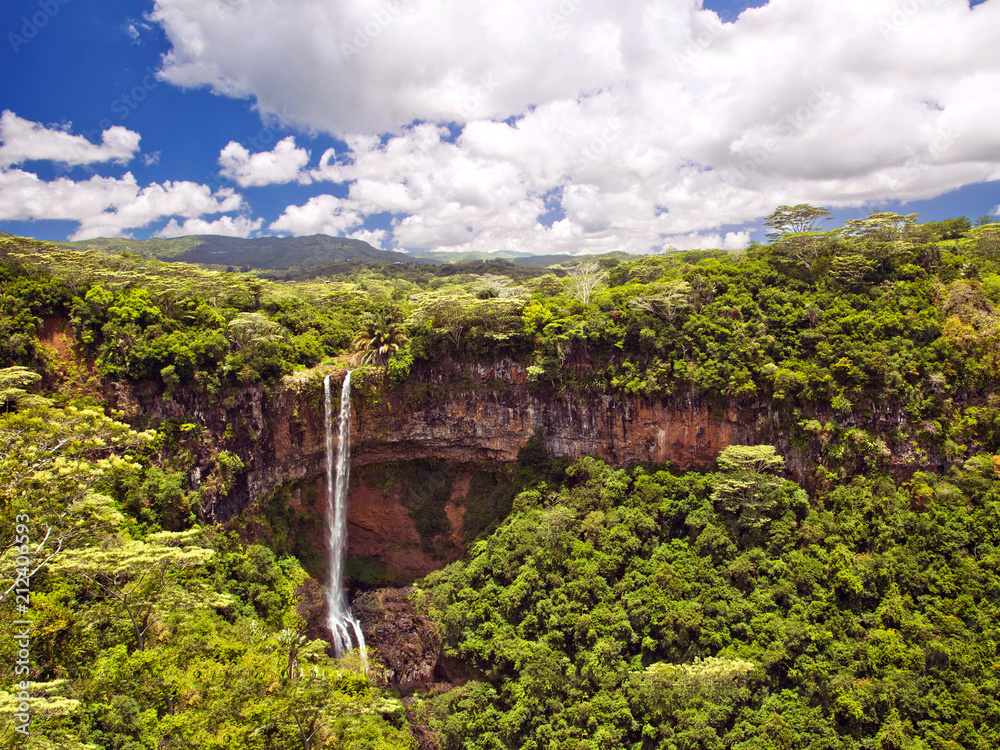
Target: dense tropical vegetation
{"x":644,"y":609}
{"x":597,"y":607}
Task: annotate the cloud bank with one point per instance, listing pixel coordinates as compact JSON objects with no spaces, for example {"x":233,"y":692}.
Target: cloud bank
{"x":105,"y":206}
{"x":562,"y":125}
{"x":108,"y":206}
{"x":600,"y":124}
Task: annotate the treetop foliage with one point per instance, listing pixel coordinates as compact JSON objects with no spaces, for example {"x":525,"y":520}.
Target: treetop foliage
{"x":634,"y":610}
{"x":597,"y":607}
{"x":795,"y":220}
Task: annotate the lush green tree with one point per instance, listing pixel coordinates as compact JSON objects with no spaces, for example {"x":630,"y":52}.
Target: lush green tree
{"x":986,"y":239}
{"x":53,"y":717}
{"x":666,"y":302}
{"x":144,"y":578}
{"x":379,"y":338}
{"x":623,"y":610}
{"x":52,"y":462}
{"x":14,"y":384}
{"x":448,"y":311}
{"x":492,"y":285}
{"x":794,"y":220}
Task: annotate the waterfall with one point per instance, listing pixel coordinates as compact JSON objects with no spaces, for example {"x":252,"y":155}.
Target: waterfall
{"x":345,"y":629}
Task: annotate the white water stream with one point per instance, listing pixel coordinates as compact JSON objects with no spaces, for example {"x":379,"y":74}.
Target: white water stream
{"x":345,"y":628}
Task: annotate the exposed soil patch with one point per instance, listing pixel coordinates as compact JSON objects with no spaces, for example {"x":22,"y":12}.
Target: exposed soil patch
{"x":380,"y":527}
{"x":67,"y":371}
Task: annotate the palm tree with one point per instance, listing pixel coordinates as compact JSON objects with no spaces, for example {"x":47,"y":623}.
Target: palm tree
{"x":378,"y":339}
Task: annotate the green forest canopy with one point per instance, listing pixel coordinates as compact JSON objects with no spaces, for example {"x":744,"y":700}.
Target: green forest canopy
{"x":611,"y":608}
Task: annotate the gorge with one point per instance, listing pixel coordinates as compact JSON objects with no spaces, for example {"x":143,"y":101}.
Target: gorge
{"x":771,"y":485}
{"x":458,"y":421}
{"x":463,"y":419}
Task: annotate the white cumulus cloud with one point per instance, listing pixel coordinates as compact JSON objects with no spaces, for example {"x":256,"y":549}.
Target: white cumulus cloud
{"x":322,"y":214}
{"x":23,"y":140}
{"x":374,"y":237}
{"x":601,"y":124}
{"x":107,"y":206}
{"x":281,"y":165}
{"x":227,"y":226}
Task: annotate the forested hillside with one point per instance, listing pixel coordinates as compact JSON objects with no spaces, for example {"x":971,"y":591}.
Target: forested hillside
{"x":258,"y":252}
{"x":649,"y":610}
{"x":599,"y":606}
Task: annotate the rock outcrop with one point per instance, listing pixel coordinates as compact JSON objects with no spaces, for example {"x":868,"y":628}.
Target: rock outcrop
{"x":404,"y":643}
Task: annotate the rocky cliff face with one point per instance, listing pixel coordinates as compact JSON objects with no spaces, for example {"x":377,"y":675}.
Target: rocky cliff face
{"x":405,"y":640}
{"x":466,"y":415}
{"x":486,"y":413}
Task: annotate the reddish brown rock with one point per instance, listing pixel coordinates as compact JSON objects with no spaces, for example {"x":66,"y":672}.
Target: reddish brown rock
{"x":380,"y":527}
{"x":461,"y":413}
{"x":403,"y":643}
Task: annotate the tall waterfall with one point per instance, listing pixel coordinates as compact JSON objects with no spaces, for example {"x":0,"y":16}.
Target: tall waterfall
{"x":345,"y":629}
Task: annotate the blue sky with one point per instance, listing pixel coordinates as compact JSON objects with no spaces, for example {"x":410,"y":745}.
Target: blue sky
{"x":543,"y":126}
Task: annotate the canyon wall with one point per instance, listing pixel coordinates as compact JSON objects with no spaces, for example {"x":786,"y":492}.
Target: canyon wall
{"x":486,"y":413}
{"x":467,"y":415}
{"x":474,"y":415}
{"x":471,"y":417}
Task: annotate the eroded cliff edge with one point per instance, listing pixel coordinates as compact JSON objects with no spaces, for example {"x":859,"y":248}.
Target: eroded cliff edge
{"x":460,"y":413}
{"x":469,"y":416}
{"x":475,"y":413}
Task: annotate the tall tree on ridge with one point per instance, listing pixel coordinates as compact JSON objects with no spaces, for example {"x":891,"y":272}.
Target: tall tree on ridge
{"x":378,"y":339}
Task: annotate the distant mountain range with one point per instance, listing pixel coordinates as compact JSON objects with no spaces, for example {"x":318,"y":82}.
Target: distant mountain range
{"x":443,"y":256}
{"x":520,"y":258}
{"x":273,"y":253}
{"x":302,"y":253}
